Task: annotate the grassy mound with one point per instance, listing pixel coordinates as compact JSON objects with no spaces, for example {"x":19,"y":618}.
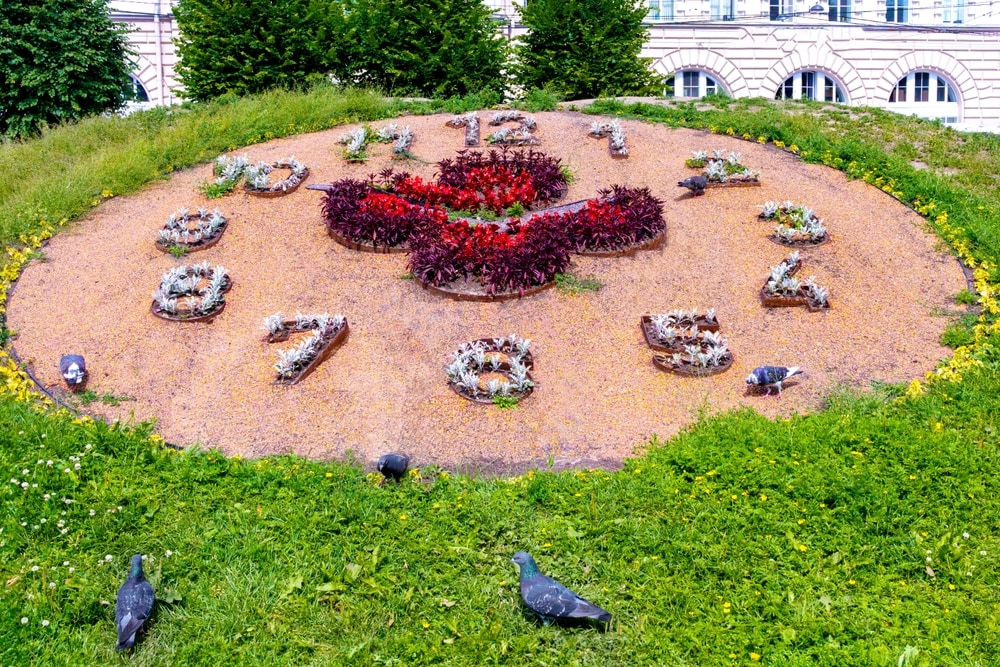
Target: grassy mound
{"x":862,"y":535}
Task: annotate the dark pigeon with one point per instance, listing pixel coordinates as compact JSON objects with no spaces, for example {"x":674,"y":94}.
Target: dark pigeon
{"x":135,"y":603}
{"x":696,"y":184}
{"x":393,"y":466}
{"x":771,"y":376}
{"x":549,"y":599}
{"x":73,"y":369}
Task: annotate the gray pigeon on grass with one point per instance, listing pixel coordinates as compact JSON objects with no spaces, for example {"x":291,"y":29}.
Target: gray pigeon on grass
{"x":134,"y":605}
{"x":696,"y":184}
{"x":549,"y":599}
{"x":393,"y":466}
{"x":771,"y":376}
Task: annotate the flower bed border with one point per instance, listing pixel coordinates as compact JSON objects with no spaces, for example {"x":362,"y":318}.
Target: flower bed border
{"x":799,"y":244}
{"x":338,"y":339}
{"x":456,"y":295}
{"x":195,"y":247}
{"x":207,"y":317}
{"x":364,"y":247}
{"x":733,"y":184}
{"x":654,"y":243}
{"x":690,"y":370}
{"x":271,"y":192}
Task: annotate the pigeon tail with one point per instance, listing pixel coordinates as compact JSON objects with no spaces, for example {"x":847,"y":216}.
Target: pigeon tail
{"x":793,"y":370}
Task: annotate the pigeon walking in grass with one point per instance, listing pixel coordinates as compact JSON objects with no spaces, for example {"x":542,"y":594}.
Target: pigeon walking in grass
{"x":135,"y":603}
{"x":73,"y":369}
{"x":696,"y":184}
{"x":771,"y":376}
{"x":393,"y":466}
{"x":549,"y":599}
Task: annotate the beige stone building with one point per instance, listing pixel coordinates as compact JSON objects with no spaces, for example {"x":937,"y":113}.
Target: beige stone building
{"x":933,"y":58}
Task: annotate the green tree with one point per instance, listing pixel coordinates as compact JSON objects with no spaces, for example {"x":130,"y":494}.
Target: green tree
{"x":59,"y":60}
{"x":583,"y":48}
{"x":426,"y":47}
{"x":248,"y":46}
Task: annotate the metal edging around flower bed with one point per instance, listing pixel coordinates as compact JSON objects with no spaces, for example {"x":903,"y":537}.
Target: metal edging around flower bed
{"x":651,"y":244}
{"x":364,"y":247}
{"x":488,"y":400}
{"x":690,"y":370}
{"x":773,"y":239}
{"x":328,"y":349}
{"x":207,"y":318}
{"x":472,"y":296}
{"x":733,"y":184}
{"x":194,"y":247}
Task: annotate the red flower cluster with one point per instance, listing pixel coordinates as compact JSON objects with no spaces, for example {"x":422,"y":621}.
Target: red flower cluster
{"x":492,"y":187}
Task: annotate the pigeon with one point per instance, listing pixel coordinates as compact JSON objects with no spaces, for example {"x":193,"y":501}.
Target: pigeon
{"x":393,"y":466}
{"x":696,"y":184}
{"x":771,"y":376}
{"x":549,"y":599}
{"x":135,"y":602}
{"x":73,"y":369}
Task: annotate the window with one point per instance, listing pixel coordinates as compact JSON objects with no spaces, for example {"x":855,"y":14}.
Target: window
{"x":927,"y":95}
{"x":921,"y":84}
{"x":896,"y":11}
{"x":811,"y":86}
{"x":840,"y":10}
{"x":693,"y":83}
{"x":953,"y":11}
{"x":898,"y":93}
{"x":134,"y":90}
{"x":722,"y":10}
{"x":660,"y":10}
{"x":781,"y":10}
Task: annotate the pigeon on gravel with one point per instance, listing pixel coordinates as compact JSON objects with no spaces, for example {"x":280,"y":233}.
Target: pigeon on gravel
{"x":549,"y":599}
{"x":771,"y":376}
{"x":134,"y":604}
{"x":73,"y":369}
{"x":696,"y":184}
{"x":393,"y":466}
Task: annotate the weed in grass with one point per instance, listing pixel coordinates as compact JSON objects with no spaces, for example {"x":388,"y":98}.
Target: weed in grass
{"x":959,"y":333}
{"x":177,"y":251}
{"x":89,"y":396}
{"x":216,"y":190}
{"x":505,"y":402}
{"x":569,"y":284}
{"x":966,"y":298}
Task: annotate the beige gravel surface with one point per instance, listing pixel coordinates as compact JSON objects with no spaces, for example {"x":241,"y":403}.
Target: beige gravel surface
{"x":599,"y":397}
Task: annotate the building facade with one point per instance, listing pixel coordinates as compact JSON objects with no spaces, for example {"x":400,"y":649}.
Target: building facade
{"x":933,"y":58}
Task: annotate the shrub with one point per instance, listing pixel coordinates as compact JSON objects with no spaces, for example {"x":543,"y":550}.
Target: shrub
{"x":252,"y":46}
{"x":620,"y":218}
{"x":437,"y":48}
{"x":583,"y":48}
{"x":59,"y":60}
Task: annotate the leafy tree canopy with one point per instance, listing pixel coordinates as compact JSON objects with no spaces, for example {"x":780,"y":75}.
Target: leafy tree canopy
{"x":248,"y":46}
{"x":583,"y":48}
{"x":59,"y":60}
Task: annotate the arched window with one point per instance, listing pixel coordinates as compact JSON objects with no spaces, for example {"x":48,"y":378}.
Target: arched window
{"x":810,"y":86}
{"x":134,"y":90}
{"x":691,"y":83}
{"x":927,"y":95}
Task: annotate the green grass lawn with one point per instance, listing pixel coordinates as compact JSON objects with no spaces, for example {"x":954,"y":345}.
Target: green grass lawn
{"x":866,"y":534}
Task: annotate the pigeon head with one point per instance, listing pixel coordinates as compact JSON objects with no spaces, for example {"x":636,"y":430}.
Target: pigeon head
{"x":527,"y":564}
{"x":753,"y":379}
{"x":136,"y":570}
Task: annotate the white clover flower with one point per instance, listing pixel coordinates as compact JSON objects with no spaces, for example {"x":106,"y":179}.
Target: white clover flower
{"x":76,"y":466}
{"x":109,"y":558}
{"x":25,"y":471}
{"x":965,"y":535}
{"x":43,"y":435}
{"x":982,"y":553}
{"x":65,"y":563}
{"x":168,"y":553}
{"x":46,"y":497}
{"x":34,"y":568}
{"x":43,"y":520}
{"x":88,"y":446}
{"x":24,"y":619}
{"x":66,"y":470}
{"x":45,"y":623}
{"x":52,"y":584}
{"x":72,"y":569}
{"x":93,"y":512}
{"x":24,"y":485}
